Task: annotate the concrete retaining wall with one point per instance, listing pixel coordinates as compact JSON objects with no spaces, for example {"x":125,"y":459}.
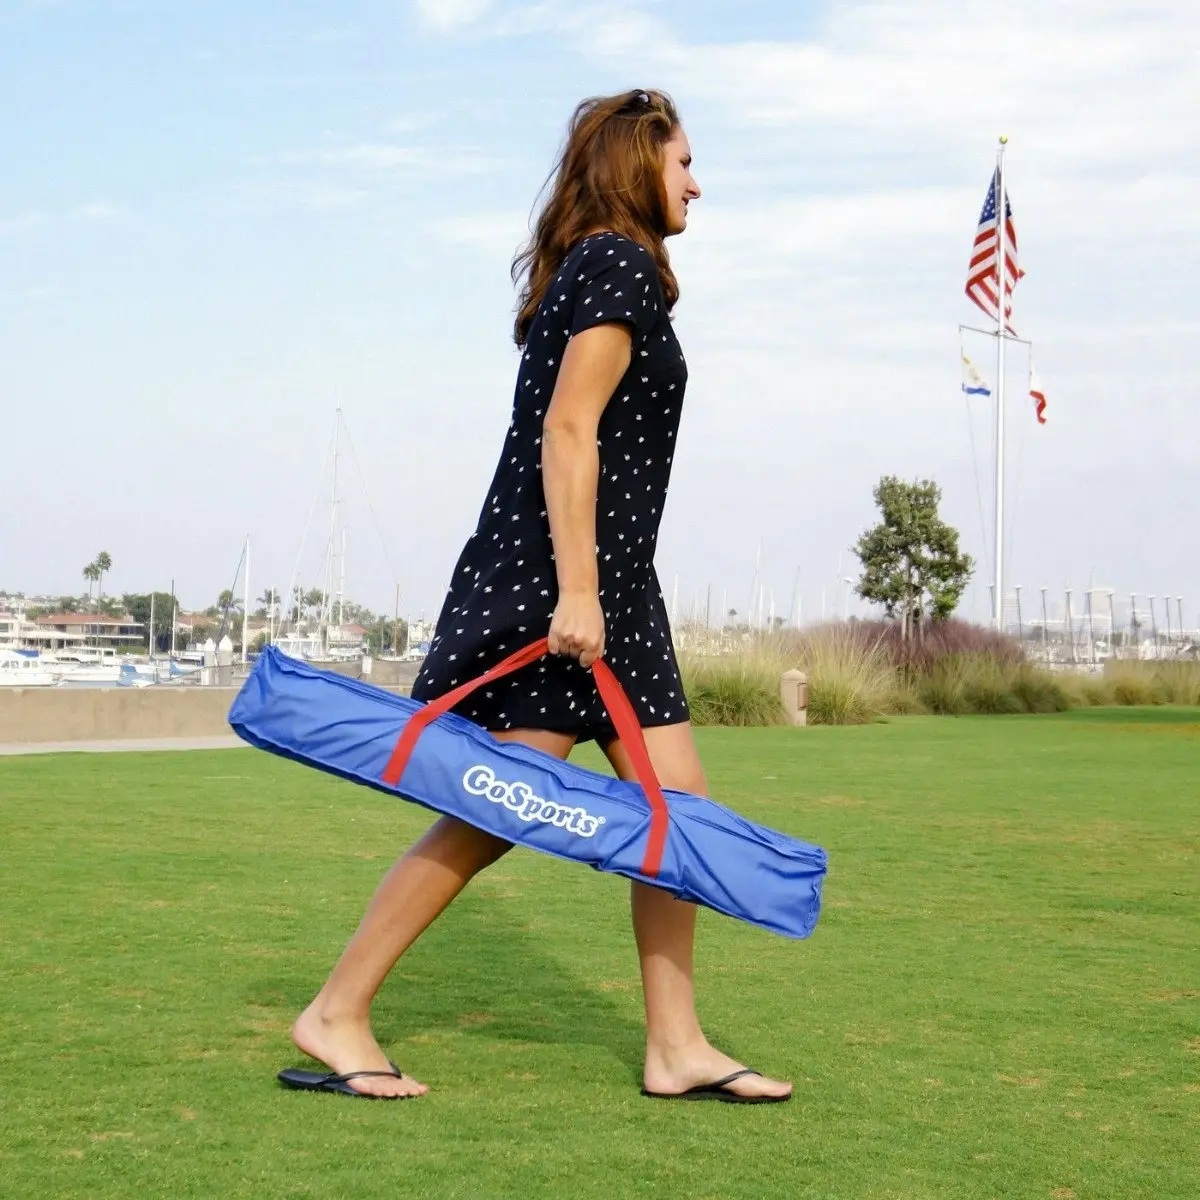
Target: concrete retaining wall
{"x":67,"y":714}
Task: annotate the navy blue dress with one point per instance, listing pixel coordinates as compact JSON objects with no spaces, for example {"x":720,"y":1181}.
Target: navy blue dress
{"x":504,"y":589}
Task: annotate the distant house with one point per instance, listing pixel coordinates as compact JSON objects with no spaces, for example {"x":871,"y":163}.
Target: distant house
{"x":119,"y":633}
{"x":346,"y":637}
{"x":420,"y":637}
{"x":187,"y":623}
{"x":17,"y":632}
{"x":10,"y":629}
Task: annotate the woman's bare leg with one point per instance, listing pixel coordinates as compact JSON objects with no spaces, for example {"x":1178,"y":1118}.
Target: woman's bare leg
{"x":335,"y":1028}
{"x":678,"y":1055}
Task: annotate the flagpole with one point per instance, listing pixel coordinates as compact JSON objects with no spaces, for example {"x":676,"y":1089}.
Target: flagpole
{"x":1001,"y":296}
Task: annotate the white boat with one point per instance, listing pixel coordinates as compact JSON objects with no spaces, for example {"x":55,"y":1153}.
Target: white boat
{"x":83,"y":665}
{"x":20,"y":668}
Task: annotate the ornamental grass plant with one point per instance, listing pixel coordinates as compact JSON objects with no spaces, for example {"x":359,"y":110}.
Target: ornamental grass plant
{"x":860,"y":671}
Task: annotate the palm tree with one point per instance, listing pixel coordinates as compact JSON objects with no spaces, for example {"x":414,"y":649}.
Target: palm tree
{"x":91,"y":573}
{"x":103,"y":563}
{"x":267,"y":604}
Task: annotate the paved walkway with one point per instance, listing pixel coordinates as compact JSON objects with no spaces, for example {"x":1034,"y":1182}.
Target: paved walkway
{"x":224,"y":742}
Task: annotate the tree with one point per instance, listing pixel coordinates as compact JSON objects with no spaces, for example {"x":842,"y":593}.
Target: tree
{"x":91,"y":573}
{"x":385,"y":635}
{"x":138,"y":607}
{"x":268,"y":605}
{"x":911,"y":561}
{"x":102,"y":564}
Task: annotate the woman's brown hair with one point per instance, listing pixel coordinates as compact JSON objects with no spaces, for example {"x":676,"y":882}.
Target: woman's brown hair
{"x":608,"y":176}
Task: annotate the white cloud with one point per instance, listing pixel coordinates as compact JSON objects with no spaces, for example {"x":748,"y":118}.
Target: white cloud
{"x":318,"y":197}
{"x":22,"y":222}
{"x":495,"y":235}
{"x":331,"y":36}
{"x":94,"y":211}
{"x":388,"y":158}
{"x":375,"y":156}
{"x":448,"y":15}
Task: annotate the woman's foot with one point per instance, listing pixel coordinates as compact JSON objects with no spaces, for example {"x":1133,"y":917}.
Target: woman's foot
{"x":671,"y":1070}
{"x":346,"y":1045}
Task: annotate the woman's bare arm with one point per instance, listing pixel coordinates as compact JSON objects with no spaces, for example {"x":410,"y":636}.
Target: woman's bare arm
{"x":592,"y":366}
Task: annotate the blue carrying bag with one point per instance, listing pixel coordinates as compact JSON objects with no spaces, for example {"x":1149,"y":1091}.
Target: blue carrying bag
{"x":692,"y":847}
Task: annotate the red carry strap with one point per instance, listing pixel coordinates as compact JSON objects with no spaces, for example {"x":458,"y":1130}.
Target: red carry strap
{"x":629,"y":730}
{"x":443,"y":704}
{"x":624,"y":720}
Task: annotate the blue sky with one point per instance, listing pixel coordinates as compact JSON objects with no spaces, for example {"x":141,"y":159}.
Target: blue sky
{"x":219,"y":221}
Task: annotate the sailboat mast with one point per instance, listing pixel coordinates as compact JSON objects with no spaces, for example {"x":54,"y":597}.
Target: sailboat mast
{"x":342,"y":584}
{"x":246,"y":605}
{"x":327,"y":597}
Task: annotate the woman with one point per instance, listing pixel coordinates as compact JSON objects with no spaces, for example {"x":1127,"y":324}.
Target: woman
{"x":565,"y":543}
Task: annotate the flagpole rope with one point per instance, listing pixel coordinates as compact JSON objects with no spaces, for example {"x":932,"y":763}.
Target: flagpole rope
{"x":974,"y":456}
{"x":1014,"y":506}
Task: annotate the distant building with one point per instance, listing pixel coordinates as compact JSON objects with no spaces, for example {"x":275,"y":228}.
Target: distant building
{"x":420,"y":637}
{"x":195,"y":627}
{"x":17,"y":632}
{"x":119,"y":633}
{"x":346,"y":637}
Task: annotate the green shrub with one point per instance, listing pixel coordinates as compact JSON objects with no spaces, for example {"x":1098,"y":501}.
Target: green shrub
{"x":1154,"y":682}
{"x":734,"y":690}
{"x":849,"y":681}
{"x":905,"y":698}
{"x":1088,"y":691}
{"x":1179,"y":682}
{"x":941,"y":688}
{"x":1039,"y":691}
{"x":1129,"y":684}
{"x":987,"y":686}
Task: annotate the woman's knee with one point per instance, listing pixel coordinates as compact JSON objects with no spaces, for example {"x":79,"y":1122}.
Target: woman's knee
{"x":468,"y":847}
{"x":673,"y":755}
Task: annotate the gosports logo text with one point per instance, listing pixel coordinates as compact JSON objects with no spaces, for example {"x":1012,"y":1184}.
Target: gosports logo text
{"x":518,"y":797}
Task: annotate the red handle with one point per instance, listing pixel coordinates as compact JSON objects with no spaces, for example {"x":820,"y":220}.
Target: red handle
{"x":624,"y":720}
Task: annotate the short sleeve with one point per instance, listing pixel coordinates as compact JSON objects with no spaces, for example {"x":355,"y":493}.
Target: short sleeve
{"x":618,"y":282}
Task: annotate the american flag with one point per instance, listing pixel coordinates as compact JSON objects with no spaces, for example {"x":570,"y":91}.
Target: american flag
{"x":982,"y":285}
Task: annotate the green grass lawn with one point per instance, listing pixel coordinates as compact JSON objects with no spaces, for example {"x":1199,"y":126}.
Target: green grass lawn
{"x":1002,"y":998}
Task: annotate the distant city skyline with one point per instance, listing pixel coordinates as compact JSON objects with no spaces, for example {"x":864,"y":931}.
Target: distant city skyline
{"x":217,"y":224}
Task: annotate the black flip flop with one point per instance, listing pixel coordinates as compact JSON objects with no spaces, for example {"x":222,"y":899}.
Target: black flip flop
{"x":314,"y":1081}
{"x":719,"y":1090}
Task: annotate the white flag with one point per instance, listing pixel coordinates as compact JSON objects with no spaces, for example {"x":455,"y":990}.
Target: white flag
{"x":972,"y":382}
